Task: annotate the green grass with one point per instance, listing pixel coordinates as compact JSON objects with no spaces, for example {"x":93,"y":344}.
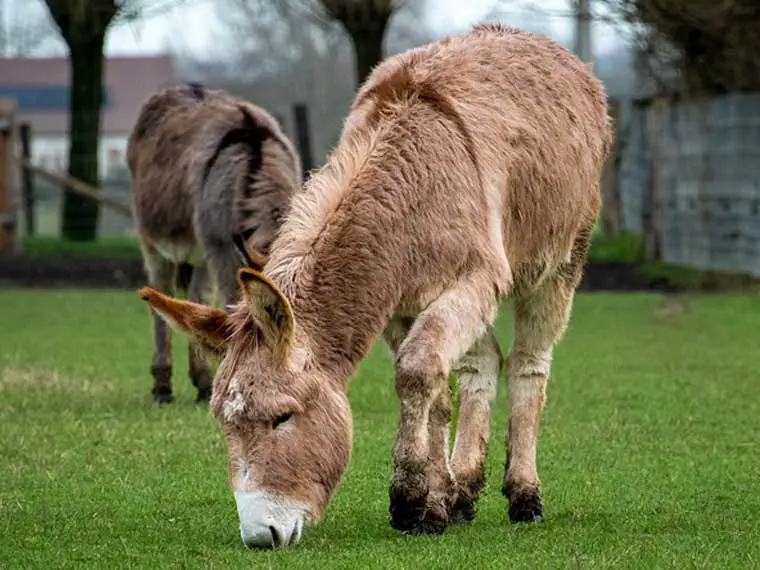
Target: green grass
{"x":108,"y":247}
{"x":648,"y":453}
{"x":626,"y":247}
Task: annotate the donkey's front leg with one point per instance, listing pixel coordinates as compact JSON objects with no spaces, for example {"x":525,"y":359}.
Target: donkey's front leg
{"x":161,"y":276}
{"x":200,"y":369}
{"x":423,"y":488}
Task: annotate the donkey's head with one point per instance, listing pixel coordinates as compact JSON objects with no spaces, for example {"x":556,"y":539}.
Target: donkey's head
{"x":287,"y":424}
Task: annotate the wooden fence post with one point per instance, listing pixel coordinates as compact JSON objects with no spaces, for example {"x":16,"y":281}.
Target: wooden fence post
{"x":27,"y":179}
{"x":301,"y":116}
{"x":610,"y":186}
{"x":8,"y":241}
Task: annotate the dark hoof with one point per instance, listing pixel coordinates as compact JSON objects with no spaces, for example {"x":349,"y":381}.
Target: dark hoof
{"x":203,"y":396}
{"x":414,"y":516}
{"x":162,"y":383}
{"x":526,"y":506}
{"x":201,"y":378}
{"x":163,"y":397}
{"x":463,"y":511}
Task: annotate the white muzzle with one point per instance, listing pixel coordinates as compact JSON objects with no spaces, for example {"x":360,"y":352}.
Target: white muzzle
{"x":267,"y":521}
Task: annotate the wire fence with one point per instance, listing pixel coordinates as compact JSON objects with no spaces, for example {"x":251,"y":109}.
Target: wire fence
{"x":689,"y":180}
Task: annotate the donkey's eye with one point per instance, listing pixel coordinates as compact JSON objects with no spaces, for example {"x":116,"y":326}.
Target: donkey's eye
{"x":281,"y":420}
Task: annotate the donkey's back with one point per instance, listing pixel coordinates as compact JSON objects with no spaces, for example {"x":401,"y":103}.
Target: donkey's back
{"x":177,"y":139}
{"x":526,"y":128}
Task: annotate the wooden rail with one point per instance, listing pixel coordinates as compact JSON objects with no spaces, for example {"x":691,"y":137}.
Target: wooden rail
{"x":63,"y":181}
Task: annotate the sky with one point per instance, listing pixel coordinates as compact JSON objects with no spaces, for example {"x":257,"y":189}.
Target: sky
{"x":196,"y":16}
{"x":190,"y":25}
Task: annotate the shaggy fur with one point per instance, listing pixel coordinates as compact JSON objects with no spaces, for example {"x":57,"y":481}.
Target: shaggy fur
{"x":204,"y":166}
{"x":467,"y":170}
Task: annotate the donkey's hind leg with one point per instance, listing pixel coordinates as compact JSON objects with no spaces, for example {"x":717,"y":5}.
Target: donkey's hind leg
{"x":161,"y":275}
{"x":477,"y":379}
{"x":541,"y":314}
{"x":200,"y":371}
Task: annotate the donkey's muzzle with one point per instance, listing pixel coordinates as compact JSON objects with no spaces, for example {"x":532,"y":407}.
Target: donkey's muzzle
{"x":267,"y":521}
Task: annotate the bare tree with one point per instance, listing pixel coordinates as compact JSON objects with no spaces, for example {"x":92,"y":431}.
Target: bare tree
{"x":83,"y":25}
{"x":408,"y":28}
{"x":25,"y":27}
{"x":365,"y":22}
{"x":287,"y":54}
{"x":267,"y":39}
{"x":275,"y":56}
{"x":697,"y":46}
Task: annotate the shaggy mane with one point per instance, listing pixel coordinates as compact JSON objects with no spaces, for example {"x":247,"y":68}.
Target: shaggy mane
{"x":311,"y":209}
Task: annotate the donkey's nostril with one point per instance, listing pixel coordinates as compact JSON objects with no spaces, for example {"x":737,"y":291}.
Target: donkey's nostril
{"x":277,"y":539}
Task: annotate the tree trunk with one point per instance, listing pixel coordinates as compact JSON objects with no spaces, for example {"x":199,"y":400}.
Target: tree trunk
{"x":80,"y":214}
{"x":368,"y":49}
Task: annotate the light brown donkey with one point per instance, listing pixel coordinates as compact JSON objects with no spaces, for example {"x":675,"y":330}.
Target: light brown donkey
{"x":205,"y":166}
{"x":468,"y":170}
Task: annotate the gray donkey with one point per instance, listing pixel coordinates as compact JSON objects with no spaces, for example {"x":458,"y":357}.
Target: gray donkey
{"x":212,"y":176}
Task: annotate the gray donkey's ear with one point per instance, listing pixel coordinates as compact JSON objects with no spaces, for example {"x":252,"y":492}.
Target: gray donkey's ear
{"x":250,"y":257}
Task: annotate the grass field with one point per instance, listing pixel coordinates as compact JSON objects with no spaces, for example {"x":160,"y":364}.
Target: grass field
{"x":649,"y":452}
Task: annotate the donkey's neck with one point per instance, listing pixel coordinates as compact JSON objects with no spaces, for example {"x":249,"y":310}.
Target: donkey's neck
{"x":346,"y":300}
{"x":343,"y":314}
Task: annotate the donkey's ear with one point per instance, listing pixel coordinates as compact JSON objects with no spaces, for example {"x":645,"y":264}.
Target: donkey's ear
{"x":250,"y":257}
{"x":210,"y":327}
{"x":270,"y":310}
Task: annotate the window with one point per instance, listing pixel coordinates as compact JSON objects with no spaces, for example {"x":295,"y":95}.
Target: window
{"x":36,"y":97}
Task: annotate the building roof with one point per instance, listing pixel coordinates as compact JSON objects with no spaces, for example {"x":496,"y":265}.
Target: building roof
{"x":40,"y":86}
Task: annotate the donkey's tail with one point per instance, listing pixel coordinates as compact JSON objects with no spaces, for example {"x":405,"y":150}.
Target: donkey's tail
{"x":249,"y":132}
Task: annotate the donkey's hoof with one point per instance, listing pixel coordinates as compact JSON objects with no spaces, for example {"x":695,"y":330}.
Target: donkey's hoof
{"x":463,"y":511}
{"x":415,"y":516}
{"x":162,"y":383}
{"x":526,"y":506}
{"x":163,"y":397}
{"x":204,"y":395}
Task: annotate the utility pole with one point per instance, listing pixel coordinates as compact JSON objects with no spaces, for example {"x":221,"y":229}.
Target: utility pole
{"x":583,"y":30}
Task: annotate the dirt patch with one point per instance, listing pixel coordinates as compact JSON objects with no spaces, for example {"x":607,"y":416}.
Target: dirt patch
{"x":620,"y":276}
{"x":74,"y":271}
{"x":64,"y":271}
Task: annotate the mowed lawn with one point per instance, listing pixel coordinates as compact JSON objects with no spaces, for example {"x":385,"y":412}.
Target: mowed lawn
{"x":649,"y":451}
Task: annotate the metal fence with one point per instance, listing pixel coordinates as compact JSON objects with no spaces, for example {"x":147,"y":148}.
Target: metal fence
{"x":689,"y":179}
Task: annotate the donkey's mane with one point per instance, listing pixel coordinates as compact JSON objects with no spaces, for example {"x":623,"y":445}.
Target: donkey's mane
{"x":311,"y":211}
